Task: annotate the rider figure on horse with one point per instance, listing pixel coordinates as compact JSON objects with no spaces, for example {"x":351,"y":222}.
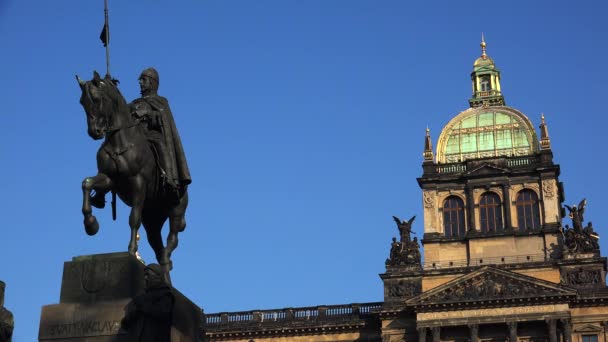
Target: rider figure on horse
{"x":154,"y":115}
{"x":156,"y":118}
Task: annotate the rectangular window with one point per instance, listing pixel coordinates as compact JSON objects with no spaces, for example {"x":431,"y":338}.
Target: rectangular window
{"x":486,"y":141}
{"x":503,"y":139}
{"x":453,"y":145}
{"x":519,"y":138}
{"x":486,"y":119}
{"x":589,"y":338}
{"x":468,"y":142}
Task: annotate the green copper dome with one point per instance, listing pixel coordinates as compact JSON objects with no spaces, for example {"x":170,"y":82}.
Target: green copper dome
{"x":484,"y":132}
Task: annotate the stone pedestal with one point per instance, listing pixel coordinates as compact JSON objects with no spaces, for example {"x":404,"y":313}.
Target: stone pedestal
{"x":95,"y":293}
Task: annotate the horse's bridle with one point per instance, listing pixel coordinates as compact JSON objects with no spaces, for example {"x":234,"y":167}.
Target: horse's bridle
{"x":109,"y":129}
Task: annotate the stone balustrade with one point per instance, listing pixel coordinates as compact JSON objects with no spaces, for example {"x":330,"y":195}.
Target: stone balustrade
{"x":317,"y":314}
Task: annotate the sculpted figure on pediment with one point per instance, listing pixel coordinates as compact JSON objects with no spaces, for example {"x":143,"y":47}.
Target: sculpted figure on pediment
{"x":486,"y":287}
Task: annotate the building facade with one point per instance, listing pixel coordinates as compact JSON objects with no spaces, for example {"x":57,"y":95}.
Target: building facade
{"x":500,"y":262}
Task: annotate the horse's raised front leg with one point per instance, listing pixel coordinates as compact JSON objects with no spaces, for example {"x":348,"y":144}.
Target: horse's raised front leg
{"x":138,"y":195}
{"x":99,"y":183}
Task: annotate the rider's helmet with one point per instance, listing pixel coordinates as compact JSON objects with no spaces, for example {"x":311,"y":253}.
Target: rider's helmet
{"x":150,"y":72}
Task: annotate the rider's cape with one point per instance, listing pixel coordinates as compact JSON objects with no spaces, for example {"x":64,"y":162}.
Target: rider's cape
{"x":179,"y":169}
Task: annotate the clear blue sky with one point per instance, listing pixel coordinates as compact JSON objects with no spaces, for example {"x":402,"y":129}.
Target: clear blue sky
{"x":303,"y":122}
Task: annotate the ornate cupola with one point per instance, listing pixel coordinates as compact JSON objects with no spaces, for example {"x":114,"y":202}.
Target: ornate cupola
{"x":492,"y":193}
{"x":486,"y":81}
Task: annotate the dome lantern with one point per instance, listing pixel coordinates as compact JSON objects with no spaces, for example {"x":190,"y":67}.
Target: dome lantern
{"x":485,"y":80}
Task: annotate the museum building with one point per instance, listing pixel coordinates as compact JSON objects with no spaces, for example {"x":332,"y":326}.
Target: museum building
{"x":501,"y":261}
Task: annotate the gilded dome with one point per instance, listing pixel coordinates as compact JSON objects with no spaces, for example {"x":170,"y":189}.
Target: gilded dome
{"x":482,"y":61}
{"x":482,"y":132}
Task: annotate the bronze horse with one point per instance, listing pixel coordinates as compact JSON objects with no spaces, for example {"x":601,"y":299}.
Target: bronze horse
{"x":127,"y":167}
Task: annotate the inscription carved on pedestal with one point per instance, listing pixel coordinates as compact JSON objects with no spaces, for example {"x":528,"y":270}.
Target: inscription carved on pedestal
{"x":84,"y":328}
{"x":66,"y":321}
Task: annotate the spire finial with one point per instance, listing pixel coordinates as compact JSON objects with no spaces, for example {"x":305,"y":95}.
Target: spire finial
{"x":483,"y":46}
{"x":428,"y":146}
{"x":545,"y":142}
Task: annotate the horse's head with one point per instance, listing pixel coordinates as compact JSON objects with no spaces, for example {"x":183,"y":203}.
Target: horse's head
{"x":101,"y":101}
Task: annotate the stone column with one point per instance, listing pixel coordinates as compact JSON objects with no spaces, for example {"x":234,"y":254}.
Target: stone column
{"x":512,"y":331}
{"x":567,"y":327}
{"x":422,"y":334}
{"x":474,"y":332}
{"x":436,"y":331}
{"x":470,"y":208}
{"x":552,"y":329}
{"x":506,"y":206}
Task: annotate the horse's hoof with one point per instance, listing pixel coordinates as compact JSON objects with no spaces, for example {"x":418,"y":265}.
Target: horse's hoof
{"x":91,"y":226}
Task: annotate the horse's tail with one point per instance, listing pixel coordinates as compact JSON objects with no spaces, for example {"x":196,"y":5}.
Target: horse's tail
{"x":114,"y":205}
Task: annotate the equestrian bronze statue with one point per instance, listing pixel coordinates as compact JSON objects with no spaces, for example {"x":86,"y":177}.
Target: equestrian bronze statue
{"x":141,"y":160}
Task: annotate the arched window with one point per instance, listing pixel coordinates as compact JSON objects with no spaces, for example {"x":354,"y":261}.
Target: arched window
{"x":490,"y":212}
{"x":528,"y":213}
{"x":453,"y":217}
{"x":485,"y":83}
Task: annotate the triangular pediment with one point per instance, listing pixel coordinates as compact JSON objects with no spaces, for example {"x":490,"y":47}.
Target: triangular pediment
{"x":491,"y":284}
{"x":487,"y":169}
{"x":589,"y":328}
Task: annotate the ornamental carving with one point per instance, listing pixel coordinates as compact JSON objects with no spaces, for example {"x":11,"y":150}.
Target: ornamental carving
{"x":94,"y":275}
{"x":428,"y":198}
{"x":582,"y":278}
{"x":549,"y":188}
{"x":487,"y":286}
{"x":403,"y":289}
{"x":532,"y":186}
